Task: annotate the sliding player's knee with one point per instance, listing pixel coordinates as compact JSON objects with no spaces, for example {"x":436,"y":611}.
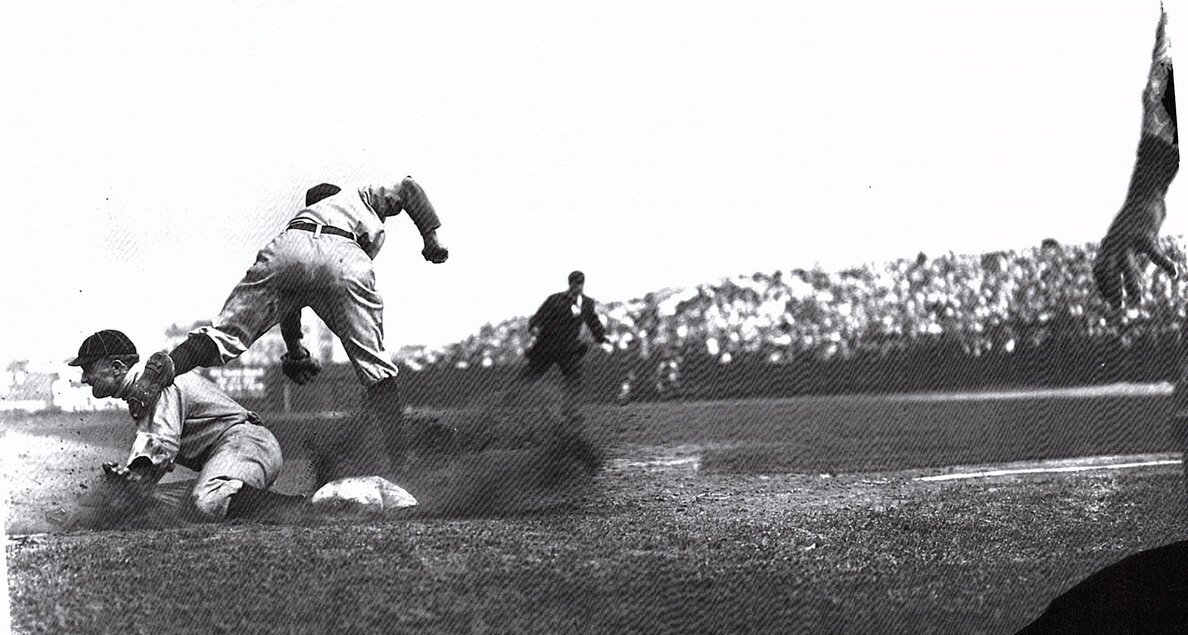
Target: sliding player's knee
{"x":211,"y":501}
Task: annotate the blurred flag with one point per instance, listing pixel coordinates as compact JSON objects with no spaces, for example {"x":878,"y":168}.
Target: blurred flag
{"x":1160,"y":96}
{"x":1159,"y":149}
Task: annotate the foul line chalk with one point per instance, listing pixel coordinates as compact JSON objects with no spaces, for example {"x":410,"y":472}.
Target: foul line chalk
{"x":664,"y":462}
{"x":1044,"y":470}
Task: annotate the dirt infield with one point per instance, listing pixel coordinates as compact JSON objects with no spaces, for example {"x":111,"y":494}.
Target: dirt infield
{"x":789,"y":516}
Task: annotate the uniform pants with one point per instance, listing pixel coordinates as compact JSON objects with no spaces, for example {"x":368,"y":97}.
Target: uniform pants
{"x":330,"y":274}
{"x":246,"y":454}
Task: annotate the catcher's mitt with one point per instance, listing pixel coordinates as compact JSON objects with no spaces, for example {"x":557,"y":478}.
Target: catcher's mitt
{"x":300,"y":369}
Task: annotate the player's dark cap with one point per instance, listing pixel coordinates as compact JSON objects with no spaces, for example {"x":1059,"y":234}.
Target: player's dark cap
{"x":577,"y":277}
{"x":102,"y":344}
{"x":319,"y":192}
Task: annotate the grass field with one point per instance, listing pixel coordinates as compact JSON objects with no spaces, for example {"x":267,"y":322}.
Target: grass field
{"x":800,"y":515}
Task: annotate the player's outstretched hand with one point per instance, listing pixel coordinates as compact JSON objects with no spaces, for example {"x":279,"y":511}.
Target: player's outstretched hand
{"x":140,"y":471}
{"x":115,"y":471}
{"x":1133,"y":234}
{"x":434,"y":251}
{"x":301,"y":370}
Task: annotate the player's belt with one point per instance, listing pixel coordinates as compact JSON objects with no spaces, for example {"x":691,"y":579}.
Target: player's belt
{"x":307,"y":226}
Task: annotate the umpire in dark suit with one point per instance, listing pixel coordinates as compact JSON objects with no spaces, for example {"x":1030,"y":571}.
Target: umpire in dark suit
{"x":557,"y":326}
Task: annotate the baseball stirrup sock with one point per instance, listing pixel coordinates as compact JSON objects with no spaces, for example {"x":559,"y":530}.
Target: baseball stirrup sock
{"x":195,"y":351}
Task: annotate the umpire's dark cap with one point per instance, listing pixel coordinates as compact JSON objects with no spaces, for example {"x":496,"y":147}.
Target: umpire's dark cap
{"x":102,"y":344}
{"x":319,"y":192}
{"x":577,"y":277}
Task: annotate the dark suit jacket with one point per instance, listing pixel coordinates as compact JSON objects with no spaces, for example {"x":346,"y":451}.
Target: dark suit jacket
{"x":560,"y":328}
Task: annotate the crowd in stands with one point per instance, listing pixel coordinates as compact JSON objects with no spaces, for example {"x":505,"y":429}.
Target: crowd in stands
{"x":999,"y":302}
{"x":811,"y":329}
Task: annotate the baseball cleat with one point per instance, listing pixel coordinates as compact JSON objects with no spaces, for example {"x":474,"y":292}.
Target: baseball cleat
{"x":157,"y":375}
{"x":370,"y":492}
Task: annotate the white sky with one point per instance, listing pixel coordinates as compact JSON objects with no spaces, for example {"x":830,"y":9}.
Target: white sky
{"x":150,"y":150}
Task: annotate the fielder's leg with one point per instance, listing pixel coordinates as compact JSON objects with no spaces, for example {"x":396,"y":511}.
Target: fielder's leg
{"x":369,"y":442}
{"x":255,"y":305}
{"x":346,"y":299}
{"x":160,"y":369}
{"x":352,"y":308}
{"x":270,"y":290}
{"x":383,"y":436}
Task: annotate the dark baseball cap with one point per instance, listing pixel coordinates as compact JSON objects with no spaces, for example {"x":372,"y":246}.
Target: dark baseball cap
{"x":577,"y":277}
{"x":102,"y":344}
{"x":319,"y":192}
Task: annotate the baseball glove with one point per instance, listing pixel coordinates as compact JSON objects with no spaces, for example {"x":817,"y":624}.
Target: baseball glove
{"x":300,"y":369}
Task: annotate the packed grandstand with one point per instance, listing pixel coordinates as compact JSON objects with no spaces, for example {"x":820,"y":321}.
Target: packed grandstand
{"x":997,"y":302}
{"x":948,"y":321}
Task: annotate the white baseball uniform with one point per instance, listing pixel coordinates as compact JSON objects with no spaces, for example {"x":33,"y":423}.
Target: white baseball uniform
{"x":312,"y":264}
{"x":196,"y":425}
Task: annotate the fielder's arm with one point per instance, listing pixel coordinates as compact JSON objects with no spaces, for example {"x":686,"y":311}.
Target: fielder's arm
{"x":1134,"y":231}
{"x":297,"y":364}
{"x":416,"y":204}
{"x":420,"y":210}
{"x":291,"y":333}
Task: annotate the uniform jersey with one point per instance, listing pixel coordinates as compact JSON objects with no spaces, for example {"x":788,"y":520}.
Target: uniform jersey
{"x":189,"y":419}
{"x":360,"y":211}
{"x":349,"y":210}
{"x":196,"y":425}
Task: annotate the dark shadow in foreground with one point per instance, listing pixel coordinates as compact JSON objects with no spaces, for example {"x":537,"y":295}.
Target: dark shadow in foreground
{"x":1143,"y":593}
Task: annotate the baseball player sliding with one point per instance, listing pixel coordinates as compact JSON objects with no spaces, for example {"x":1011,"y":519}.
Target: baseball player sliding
{"x":323,"y":260}
{"x":198,"y":426}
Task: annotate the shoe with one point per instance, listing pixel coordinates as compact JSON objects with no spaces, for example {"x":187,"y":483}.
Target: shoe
{"x":157,"y":375}
{"x":373,"y":493}
{"x":252,"y":502}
